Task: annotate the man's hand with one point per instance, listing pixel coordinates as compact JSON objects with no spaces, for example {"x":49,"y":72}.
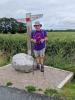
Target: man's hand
{"x":46,"y":38}
{"x":33,"y":40}
{"x":42,"y":40}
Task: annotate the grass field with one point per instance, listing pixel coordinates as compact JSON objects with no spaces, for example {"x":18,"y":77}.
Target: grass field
{"x":3,"y":60}
{"x":61,"y":35}
{"x":69,"y":89}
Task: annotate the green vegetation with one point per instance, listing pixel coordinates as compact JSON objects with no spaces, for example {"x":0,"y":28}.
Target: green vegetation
{"x":11,"y":25}
{"x":68,"y":91}
{"x":9,"y":83}
{"x":70,"y":86}
{"x":61,"y":36}
{"x":60,"y":51}
{"x":3,"y":59}
{"x":39,"y":89}
{"x":50,"y":92}
{"x":12,"y":44}
{"x":30,"y":89}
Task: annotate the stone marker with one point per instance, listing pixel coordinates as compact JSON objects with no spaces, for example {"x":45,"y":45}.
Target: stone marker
{"x":23,"y":62}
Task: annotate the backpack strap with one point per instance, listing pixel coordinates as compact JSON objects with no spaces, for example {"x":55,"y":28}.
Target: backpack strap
{"x":43,"y":32}
{"x":32,"y":33}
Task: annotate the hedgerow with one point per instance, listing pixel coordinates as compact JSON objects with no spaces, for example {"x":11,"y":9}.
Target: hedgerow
{"x":13,"y":43}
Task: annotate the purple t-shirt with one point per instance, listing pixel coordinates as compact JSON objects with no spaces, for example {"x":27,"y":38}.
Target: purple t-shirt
{"x":38,"y":35}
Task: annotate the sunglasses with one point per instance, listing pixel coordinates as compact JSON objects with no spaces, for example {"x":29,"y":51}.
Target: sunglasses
{"x":37,"y":25}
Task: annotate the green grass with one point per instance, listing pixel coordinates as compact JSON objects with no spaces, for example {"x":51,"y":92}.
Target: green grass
{"x":68,"y":91}
{"x":61,"y":35}
{"x":3,"y":60}
{"x":14,"y":36}
{"x":51,"y":35}
{"x":50,"y":92}
{"x":9,"y":83}
{"x":59,"y":62}
{"x":30,"y":88}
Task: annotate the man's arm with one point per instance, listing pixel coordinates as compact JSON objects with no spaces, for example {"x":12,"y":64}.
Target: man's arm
{"x":46,"y":37}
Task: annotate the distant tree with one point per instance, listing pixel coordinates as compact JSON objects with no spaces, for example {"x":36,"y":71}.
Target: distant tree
{"x":51,"y":30}
{"x":21,"y":28}
{"x":11,"y":25}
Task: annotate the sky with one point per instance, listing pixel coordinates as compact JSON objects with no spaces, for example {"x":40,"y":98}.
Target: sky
{"x":57,"y":14}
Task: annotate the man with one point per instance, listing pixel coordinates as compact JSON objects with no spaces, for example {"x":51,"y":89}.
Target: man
{"x":39,"y":38}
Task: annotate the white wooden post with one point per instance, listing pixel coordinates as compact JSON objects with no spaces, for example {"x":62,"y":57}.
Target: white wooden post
{"x":29,"y":29}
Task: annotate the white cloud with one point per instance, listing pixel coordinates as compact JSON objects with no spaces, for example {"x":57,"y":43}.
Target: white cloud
{"x":57,"y":13}
{"x":3,"y":1}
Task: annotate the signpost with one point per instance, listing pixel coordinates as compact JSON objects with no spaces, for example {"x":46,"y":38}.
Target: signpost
{"x":29,"y":18}
{"x":29,"y":29}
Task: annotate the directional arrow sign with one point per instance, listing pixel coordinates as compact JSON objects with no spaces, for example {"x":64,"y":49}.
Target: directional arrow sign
{"x":34,"y":17}
{"x":28,"y":18}
{"x":23,"y":20}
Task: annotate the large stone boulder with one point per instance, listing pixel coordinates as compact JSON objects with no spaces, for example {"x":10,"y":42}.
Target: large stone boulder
{"x":23,"y":62}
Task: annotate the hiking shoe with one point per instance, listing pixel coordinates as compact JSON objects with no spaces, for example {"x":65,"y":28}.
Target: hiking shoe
{"x":42,"y":68}
{"x":38,"y":67}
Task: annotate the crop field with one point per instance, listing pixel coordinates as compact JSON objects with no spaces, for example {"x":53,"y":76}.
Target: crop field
{"x":62,"y":35}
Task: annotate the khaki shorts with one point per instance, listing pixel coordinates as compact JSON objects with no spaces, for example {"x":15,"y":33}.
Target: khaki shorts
{"x":39,"y":53}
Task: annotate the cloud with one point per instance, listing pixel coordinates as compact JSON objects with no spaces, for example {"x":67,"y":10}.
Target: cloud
{"x":57,"y":14}
{"x":3,"y":1}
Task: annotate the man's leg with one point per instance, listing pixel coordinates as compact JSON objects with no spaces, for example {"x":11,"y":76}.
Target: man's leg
{"x":42,"y":54}
{"x":41,"y":60}
{"x":42,"y":63}
{"x":37,"y":58}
